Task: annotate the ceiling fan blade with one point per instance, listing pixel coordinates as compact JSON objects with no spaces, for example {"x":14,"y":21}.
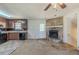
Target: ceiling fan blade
{"x":62,"y":5}
{"x":47,"y":7}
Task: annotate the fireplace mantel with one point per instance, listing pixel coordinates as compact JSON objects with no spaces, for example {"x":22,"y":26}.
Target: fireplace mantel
{"x":60,"y":26}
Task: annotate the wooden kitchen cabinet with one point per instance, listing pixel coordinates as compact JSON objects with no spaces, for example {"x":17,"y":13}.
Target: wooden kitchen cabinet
{"x":3,"y":22}
{"x":13,"y":36}
{"x":10,"y":23}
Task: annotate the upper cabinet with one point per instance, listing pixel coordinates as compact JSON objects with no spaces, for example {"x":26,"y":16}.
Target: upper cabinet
{"x":3,"y":23}
{"x":10,"y":23}
{"x":17,"y":24}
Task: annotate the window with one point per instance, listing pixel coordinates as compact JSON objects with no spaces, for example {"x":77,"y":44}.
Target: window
{"x":18,"y":26}
{"x":42,"y":27}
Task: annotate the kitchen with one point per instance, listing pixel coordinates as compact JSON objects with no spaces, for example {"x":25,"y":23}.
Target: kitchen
{"x":12,"y":29}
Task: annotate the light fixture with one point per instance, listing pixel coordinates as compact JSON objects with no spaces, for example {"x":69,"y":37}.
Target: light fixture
{"x":55,"y":5}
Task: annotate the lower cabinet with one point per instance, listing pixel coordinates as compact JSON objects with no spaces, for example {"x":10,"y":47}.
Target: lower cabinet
{"x":13,"y":36}
{"x":16,"y":36}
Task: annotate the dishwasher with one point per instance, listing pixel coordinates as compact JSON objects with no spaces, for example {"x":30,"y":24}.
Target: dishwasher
{"x":21,"y":36}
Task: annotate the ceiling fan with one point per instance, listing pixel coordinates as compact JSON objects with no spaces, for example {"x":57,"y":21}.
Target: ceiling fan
{"x":61,"y":5}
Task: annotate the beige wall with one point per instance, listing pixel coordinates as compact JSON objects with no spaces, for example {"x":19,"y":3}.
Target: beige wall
{"x":34,"y":29}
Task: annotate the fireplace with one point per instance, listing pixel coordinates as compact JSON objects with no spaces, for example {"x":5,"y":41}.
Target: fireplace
{"x":53,"y":34}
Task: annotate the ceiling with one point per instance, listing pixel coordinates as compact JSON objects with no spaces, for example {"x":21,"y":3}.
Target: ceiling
{"x":35,"y":10}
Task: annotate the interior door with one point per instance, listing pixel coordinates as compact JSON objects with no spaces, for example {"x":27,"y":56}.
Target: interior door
{"x":73,"y":32}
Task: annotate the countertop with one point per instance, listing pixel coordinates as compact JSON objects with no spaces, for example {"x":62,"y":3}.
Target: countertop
{"x":13,"y":31}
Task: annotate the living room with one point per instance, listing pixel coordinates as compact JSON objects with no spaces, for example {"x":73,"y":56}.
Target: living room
{"x":42,"y":27}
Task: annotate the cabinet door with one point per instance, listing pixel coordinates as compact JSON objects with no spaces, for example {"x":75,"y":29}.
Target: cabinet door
{"x":72,"y":31}
{"x":13,"y":36}
{"x":2,"y":22}
{"x":10,"y":24}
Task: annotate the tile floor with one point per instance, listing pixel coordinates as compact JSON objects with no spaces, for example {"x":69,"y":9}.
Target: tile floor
{"x":36,"y":47}
{"x":9,"y":46}
{"x":44,"y":47}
